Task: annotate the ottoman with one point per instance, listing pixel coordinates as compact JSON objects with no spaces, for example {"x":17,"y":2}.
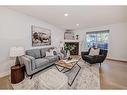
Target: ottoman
{"x":52,"y":79}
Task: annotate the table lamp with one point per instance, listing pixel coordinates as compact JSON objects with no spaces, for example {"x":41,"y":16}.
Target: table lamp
{"x":17,"y":52}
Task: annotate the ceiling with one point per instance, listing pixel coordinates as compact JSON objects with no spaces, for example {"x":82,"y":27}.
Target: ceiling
{"x":85,"y":16}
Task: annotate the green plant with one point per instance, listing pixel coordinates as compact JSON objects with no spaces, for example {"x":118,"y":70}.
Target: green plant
{"x":69,"y":47}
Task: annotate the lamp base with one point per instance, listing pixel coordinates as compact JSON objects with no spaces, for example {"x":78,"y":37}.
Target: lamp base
{"x":17,"y":62}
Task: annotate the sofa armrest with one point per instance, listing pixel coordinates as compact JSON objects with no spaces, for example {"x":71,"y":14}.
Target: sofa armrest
{"x":60,"y":54}
{"x":28,"y":62}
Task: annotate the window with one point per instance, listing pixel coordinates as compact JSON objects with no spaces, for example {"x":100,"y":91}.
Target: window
{"x":97,"y":39}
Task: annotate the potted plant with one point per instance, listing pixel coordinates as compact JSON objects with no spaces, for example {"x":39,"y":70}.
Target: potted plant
{"x":69,"y":48}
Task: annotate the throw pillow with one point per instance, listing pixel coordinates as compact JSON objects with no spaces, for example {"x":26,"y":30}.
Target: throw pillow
{"x":55,"y":51}
{"x":94,"y":52}
{"x":49,"y":53}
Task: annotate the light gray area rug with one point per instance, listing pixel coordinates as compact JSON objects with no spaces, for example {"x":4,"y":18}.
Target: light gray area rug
{"x":87,"y":78}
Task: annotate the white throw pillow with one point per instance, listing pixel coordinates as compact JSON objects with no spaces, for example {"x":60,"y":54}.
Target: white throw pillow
{"x":94,"y":51}
{"x":49,"y":53}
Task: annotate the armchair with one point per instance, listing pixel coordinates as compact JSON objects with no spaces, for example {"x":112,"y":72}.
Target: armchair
{"x":95,"y":58}
{"x":84,"y":53}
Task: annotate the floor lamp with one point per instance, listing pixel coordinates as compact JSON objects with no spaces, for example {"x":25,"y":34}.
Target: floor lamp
{"x":17,"y":52}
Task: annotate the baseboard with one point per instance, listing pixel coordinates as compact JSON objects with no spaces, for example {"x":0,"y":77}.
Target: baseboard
{"x":4,"y":74}
{"x":116,"y":60}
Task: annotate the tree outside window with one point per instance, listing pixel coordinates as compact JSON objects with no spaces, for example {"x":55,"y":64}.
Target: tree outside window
{"x":97,"y":39}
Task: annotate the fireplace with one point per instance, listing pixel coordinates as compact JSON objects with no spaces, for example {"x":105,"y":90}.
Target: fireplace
{"x":73,"y":47}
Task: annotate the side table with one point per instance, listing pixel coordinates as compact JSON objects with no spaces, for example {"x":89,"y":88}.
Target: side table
{"x":17,"y":73}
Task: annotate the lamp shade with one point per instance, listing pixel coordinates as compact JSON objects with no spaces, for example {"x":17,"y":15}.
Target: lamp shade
{"x":17,"y":51}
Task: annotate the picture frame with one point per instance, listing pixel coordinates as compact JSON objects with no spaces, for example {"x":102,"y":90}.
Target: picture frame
{"x":40,"y":36}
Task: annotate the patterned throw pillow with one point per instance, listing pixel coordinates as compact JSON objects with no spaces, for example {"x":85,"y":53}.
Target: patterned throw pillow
{"x":49,"y":53}
{"x":94,"y":51}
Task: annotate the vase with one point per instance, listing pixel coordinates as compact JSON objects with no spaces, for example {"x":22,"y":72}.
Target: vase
{"x":68,"y":53}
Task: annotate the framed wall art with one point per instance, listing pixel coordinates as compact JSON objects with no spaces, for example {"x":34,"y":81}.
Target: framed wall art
{"x":40,"y":36}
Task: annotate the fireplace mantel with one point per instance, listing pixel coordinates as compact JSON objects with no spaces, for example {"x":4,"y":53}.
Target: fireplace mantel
{"x":71,"y":41}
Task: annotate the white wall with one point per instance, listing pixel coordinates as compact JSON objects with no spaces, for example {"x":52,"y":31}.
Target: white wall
{"x":117,"y":39}
{"x":15,"y":30}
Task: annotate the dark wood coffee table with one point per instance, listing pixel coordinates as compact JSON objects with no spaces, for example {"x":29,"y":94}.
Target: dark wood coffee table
{"x":69,"y":65}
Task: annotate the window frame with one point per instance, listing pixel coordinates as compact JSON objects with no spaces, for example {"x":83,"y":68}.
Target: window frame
{"x":97,"y":41}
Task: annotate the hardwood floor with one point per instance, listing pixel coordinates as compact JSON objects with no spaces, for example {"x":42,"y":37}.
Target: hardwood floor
{"x":113,"y":75}
{"x":5,"y":83}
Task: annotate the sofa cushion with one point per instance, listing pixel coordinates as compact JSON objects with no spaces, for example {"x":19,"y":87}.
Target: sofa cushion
{"x":52,"y":58}
{"x":43,"y":53}
{"x":34,"y":53}
{"x":41,"y":62}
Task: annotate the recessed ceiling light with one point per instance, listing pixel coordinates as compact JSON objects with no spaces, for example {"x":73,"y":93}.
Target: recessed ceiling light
{"x":66,"y":14}
{"x":77,"y":24}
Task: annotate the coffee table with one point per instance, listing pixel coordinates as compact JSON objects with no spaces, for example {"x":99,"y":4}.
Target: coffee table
{"x":69,"y":65}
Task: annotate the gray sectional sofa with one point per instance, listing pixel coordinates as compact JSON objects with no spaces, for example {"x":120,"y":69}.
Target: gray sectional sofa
{"x":36,"y":60}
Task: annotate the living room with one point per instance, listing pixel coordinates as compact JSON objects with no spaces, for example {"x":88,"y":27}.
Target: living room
{"x":71,"y":31}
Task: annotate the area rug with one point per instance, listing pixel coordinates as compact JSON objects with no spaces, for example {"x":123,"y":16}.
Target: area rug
{"x":88,"y":78}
